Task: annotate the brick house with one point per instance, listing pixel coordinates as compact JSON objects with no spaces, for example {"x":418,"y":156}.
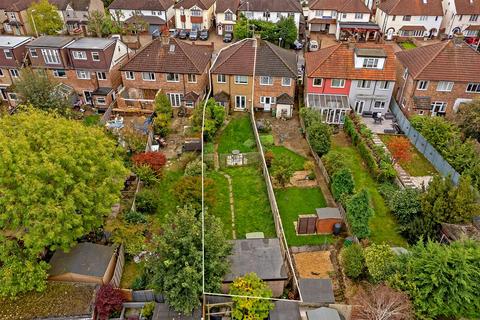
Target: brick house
{"x":12,"y":58}
{"x":156,"y":14}
{"x":343,"y":18}
{"x":436,"y":79}
{"x":167,"y":65}
{"x":226,"y":15}
{"x":409,"y":18}
{"x":194,"y":14}
{"x":344,"y":77}
{"x":16,"y":20}
{"x":462,"y":16}
{"x":88,"y":66}
{"x":75,"y":13}
{"x":254,"y":72}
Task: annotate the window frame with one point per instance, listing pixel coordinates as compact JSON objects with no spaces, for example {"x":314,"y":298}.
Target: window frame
{"x":95,"y":53}
{"x":51,"y":56}
{"x":8,"y":54}
{"x":172,"y":77}
{"x":284,"y":83}
{"x":382,"y":103}
{"x":14,"y":73}
{"x":57,"y":75}
{"x":223,"y":76}
{"x":238,"y":77}
{"x":268,"y":83}
{"x":33,"y":52}
{"x":150,"y":74}
{"x":425,"y":85}
{"x":358,"y":16}
{"x":189,"y":79}
{"x":317,"y":85}
{"x":88,"y":75}
{"x":128,"y":73}
{"x":361,"y":84}
{"x":79,"y":55}
{"x":370,"y":63}
{"x":449,"y":87}
{"x":241,"y":98}
{"x":475,"y":85}
{"x":342,"y":81}
{"x":100,"y":103}
{"x":385,"y":86}
{"x":101,"y":73}
{"x":407,"y":18}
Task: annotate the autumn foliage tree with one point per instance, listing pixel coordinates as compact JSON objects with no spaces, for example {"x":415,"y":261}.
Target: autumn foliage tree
{"x":154,"y":160}
{"x":107,"y":301}
{"x":400,"y":148}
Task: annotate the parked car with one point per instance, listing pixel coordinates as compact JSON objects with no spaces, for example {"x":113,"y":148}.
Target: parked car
{"x":227,"y":37}
{"x":173,"y":33}
{"x":193,"y":35}
{"x":183,"y":34}
{"x":297,"y":45}
{"x":313,"y":45}
{"x":204,"y":34}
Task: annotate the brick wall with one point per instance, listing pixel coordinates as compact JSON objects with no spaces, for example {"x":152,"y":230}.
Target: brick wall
{"x":233,"y":89}
{"x":272,"y":90}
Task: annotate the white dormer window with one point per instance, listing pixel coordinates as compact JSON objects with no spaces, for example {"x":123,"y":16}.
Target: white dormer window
{"x":33,"y":53}
{"x":8,"y":53}
{"x":370,"y":63}
{"x":228,"y":16}
{"x":318,"y":13}
{"x":196,"y":12}
{"x":358,"y":16}
{"x":95,"y":56}
{"x":79,"y":55}
{"x":156,"y":13}
{"x":423,"y":18}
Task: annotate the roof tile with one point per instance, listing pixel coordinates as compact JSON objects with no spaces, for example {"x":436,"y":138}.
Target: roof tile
{"x":412,"y":7}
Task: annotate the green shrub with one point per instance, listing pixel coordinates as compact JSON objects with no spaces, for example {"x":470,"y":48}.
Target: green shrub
{"x":194,"y":168}
{"x":147,"y":201}
{"x":353,"y":261}
{"x":148,"y":309}
{"x":342,"y":184}
{"x":310,"y":116}
{"x":333,"y":162}
{"x":387,"y":189}
{"x":146,"y":174}
{"x":359,"y":213}
{"x":249,"y":143}
{"x":405,"y":205}
{"x":266,"y":140}
{"x":380,"y":261}
{"x":319,"y":136}
{"x":135,"y":217}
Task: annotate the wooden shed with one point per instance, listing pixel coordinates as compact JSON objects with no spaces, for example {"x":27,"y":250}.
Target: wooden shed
{"x":326,"y":219}
{"x":85,"y":263}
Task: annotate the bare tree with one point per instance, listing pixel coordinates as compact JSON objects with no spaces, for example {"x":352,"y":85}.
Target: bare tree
{"x":382,"y":303}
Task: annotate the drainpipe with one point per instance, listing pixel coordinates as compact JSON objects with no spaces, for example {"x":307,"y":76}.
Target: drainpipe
{"x":254,"y":70}
{"x":403,"y":89}
{"x":373,"y":94}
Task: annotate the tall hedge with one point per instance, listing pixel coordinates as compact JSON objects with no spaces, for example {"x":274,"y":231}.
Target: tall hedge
{"x":359,"y":213}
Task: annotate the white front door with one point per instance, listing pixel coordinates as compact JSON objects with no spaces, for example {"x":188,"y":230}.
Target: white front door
{"x":267,"y":104}
{"x":240,"y":102}
{"x":390,"y":34}
{"x":359,"y":104}
{"x":220,"y":30}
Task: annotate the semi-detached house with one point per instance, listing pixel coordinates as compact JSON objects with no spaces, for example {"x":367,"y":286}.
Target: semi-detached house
{"x":436,"y":79}
{"x":13,"y":54}
{"x":88,"y":67}
{"x":226,"y":15}
{"x":462,"y":16}
{"x":343,"y":18}
{"x":255,"y":73}
{"x":194,"y":14}
{"x":409,"y":18}
{"x":169,"y":66}
{"x":344,"y":77}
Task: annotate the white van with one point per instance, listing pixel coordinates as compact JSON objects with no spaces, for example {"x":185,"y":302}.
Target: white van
{"x":313,"y":45}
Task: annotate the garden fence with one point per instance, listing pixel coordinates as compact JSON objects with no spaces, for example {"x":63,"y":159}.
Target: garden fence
{"x":117,"y":274}
{"x":273,"y":205}
{"x":423,"y":145}
{"x":107,"y":114}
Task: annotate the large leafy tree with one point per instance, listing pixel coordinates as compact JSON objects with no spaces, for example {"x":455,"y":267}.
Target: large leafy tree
{"x":40,"y":91}
{"x":250,"y":285}
{"x":319,"y":136}
{"x":285,"y":29}
{"x":214,"y":118}
{"x":100,"y":24}
{"x":58,"y":179}
{"x":381,"y":261}
{"x":442,"y":280}
{"x":45,"y":17}
{"x":468,"y":119}
{"x":177,"y":272}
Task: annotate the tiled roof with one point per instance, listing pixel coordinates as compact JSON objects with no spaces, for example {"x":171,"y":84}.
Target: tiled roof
{"x":150,"y":20}
{"x":222,"y":96}
{"x":413,"y":28}
{"x":141,"y":4}
{"x":271,"y":60}
{"x":467,"y":6}
{"x":338,"y":62}
{"x":175,"y":57}
{"x":77,"y":5}
{"x":348,"y":6}
{"x":51,"y":41}
{"x":271,"y":5}
{"x":442,"y":61}
{"x":224,"y":5}
{"x":202,"y":4}
{"x":320,"y":20}
{"x":15,"y":5}
{"x":412,"y":7}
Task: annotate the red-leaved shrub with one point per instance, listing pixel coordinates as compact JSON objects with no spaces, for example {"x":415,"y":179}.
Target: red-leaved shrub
{"x":107,"y":301}
{"x":155,"y":160}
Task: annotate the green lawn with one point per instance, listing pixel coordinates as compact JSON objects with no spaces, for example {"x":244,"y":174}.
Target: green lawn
{"x":167,"y":203}
{"x":208,"y":148}
{"x":237,"y":135}
{"x":297,"y":160}
{"x":407,"y":45}
{"x":252,"y":208}
{"x":382,"y":225}
{"x":293,"y":202}
{"x":221,"y":207}
{"x":417,"y":166}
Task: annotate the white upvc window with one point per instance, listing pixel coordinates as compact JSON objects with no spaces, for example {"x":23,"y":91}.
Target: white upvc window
{"x":473,"y":88}
{"x":266,"y":81}
{"x":33,"y":53}
{"x":175,"y":99}
{"x":344,"y":16}
{"x":59,"y":73}
{"x":228,"y":28}
{"x":192,"y":78}
{"x":101,"y":75}
{"x":14,"y":73}
{"x":445,"y":86}
{"x":423,"y":18}
{"x":473,"y":18}
{"x":240,"y":102}
{"x":318,"y":13}
{"x":267,"y":100}
{"x":228,"y":16}
{"x":8,"y":53}
{"x":286,"y":82}
{"x":379,"y":104}
{"x":196,"y":12}
{"x":241,"y":79}
{"x":438,"y":107}
{"x":364,"y":84}
{"x":95,"y":56}
{"x":422,"y":85}
{"x":51,"y":56}
{"x":79,"y":55}
{"x":338,"y":83}
{"x":370,"y":63}
{"x":358,"y":16}
{"x":384,"y":85}
{"x":173,"y":77}
{"x":129,"y":75}
{"x":221,"y":78}
{"x":148,"y":76}
{"x":82,"y":74}
{"x":407,"y":18}
{"x":101,"y":101}
{"x":317,"y":82}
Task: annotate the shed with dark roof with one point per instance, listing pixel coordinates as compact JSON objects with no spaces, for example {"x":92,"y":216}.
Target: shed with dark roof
{"x":323,"y":313}
{"x":316,"y":291}
{"x":326,"y":219}
{"x":85,"y":263}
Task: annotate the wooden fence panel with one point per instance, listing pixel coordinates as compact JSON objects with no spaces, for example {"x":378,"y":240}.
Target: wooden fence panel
{"x":117,"y":274}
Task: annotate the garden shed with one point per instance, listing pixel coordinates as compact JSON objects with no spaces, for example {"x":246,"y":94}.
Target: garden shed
{"x":261,"y":256}
{"x":85,"y":263}
{"x":326,"y":219}
{"x":316,"y":291}
{"x":285,"y":310}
